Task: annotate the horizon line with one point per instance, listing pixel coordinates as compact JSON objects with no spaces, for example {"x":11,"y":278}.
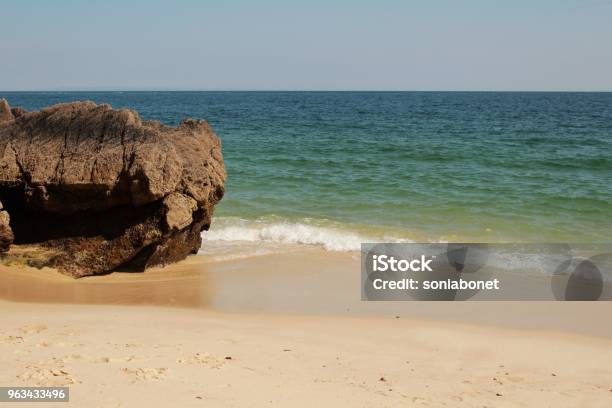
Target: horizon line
{"x":300,"y":90}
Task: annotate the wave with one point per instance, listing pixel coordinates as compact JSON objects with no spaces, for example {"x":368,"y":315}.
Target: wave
{"x":235,"y":238}
{"x":332,"y":237}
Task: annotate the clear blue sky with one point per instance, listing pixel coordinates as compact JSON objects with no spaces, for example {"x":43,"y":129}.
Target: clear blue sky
{"x":319,"y":45}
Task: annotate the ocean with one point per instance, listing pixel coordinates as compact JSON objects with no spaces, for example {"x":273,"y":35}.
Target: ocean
{"x":339,"y":168}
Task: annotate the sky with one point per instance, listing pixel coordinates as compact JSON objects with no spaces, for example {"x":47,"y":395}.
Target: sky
{"x":514,"y":45}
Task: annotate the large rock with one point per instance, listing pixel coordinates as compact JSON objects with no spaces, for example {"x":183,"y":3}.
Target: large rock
{"x":106,"y":189}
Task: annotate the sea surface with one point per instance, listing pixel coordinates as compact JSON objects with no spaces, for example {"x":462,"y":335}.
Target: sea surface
{"x":339,"y":168}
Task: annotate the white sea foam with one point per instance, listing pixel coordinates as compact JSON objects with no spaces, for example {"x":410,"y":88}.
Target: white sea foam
{"x":234,"y":238}
{"x":282,"y":232}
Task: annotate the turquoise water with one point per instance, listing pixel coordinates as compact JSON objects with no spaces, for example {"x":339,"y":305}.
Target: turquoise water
{"x":336,"y":168}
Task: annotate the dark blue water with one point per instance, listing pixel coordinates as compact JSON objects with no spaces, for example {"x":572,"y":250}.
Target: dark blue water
{"x":335,"y":167}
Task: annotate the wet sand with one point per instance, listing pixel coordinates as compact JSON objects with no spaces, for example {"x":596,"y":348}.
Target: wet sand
{"x":308,"y":281}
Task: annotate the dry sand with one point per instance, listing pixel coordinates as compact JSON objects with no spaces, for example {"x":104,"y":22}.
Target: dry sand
{"x":289,"y":330}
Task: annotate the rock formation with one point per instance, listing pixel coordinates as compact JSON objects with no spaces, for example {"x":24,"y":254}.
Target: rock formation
{"x":106,"y":190}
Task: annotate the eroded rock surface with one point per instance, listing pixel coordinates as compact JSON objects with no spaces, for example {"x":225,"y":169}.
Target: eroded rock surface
{"x":105,"y":188}
{"x":6,"y":233}
{"x":5,"y":111}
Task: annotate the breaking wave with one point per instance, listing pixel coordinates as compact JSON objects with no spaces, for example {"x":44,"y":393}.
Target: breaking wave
{"x":332,"y":237}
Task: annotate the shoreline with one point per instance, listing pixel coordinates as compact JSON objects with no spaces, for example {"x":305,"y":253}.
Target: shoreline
{"x":288,"y":284}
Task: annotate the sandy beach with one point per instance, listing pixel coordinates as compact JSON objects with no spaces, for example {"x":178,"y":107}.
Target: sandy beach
{"x":275,"y":330}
